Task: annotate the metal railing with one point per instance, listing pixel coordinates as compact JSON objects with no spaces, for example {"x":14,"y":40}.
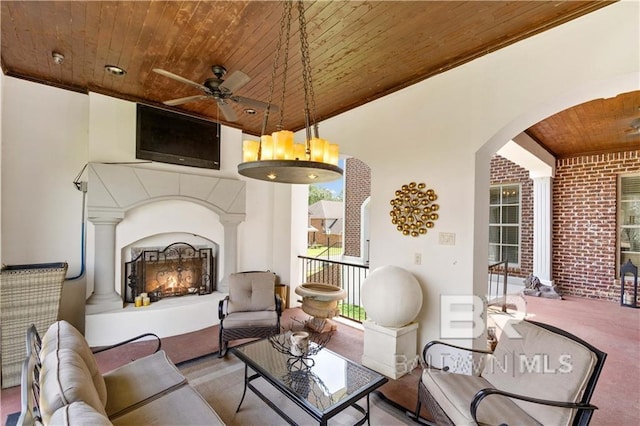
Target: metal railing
{"x":334,"y":249}
{"x":497,"y":270}
{"x":348,"y":276}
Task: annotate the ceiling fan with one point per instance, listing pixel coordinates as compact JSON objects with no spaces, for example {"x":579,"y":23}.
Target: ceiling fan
{"x":218,"y":89}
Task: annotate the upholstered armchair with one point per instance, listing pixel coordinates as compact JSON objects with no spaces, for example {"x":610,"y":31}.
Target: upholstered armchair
{"x":251,"y":310}
{"x":538,"y":374}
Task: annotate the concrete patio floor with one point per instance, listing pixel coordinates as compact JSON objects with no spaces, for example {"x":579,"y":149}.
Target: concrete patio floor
{"x":607,"y":325}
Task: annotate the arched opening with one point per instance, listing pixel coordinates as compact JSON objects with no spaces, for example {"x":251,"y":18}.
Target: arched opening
{"x":484,"y":156}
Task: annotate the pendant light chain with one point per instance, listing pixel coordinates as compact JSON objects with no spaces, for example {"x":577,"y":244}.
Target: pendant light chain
{"x":309,"y":96}
{"x":285,"y":24}
{"x":276,"y":157}
{"x":285,"y":63}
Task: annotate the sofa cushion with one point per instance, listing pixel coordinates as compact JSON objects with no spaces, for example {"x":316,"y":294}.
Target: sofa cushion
{"x":78,"y":413}
{"x":139,"y":381}
{"x":182,"y":406}
{"x":65,"y":378}
{"x":252,"y":291}
{"x":62,"y":335}
{"x":454,"y":392}
{"x":533,"y":361}
{"x":250,"y":319}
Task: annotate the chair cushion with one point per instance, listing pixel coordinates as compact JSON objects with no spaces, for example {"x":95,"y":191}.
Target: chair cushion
{"x":454,"y":392}
{"x":250,"y":319}
{"x":65,"y":378}
{"x":140,"y":381}
{"x":78,"y":414}
{"x":541,"y":364}
{"x":183,"y":406}
{"x":62,"y":335}
{"x":251,"y":291}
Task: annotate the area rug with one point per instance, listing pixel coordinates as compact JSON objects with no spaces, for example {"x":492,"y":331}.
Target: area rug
{"x":221,"y":382}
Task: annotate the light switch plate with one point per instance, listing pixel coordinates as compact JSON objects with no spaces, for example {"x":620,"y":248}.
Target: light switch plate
{"x":447,"y":238}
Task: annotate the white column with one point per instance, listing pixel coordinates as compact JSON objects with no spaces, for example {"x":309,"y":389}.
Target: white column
{"x":104,"y":297}
{"x":542,"y":229}
{"x":230,"y":251}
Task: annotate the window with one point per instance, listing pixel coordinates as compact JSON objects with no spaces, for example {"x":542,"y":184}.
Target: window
{"x":504,"y":224}
{"x":629,"y":219}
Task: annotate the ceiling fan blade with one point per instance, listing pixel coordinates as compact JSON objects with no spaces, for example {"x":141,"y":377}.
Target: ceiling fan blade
{"x":235,"y":81}
{"x":180,"y":79}
{"x":253,"y":103}
{"x":227,"y":110}
{"x":181,"y":101}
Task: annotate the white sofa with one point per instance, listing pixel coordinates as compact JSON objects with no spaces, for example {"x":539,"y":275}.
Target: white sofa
{"x":537,"y":375}
{"x":72,"y":391}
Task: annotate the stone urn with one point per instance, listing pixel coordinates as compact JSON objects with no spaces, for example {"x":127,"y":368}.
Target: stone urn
{"x":320,"y":301}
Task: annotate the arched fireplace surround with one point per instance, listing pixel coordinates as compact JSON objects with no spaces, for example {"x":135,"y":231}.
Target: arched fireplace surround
{"x":115,"y":189}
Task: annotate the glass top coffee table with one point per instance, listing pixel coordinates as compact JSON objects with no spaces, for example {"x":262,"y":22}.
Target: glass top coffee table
{"x":323,"y":385}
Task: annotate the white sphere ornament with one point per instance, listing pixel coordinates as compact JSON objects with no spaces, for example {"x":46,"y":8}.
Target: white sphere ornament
{"x":391,"y":296}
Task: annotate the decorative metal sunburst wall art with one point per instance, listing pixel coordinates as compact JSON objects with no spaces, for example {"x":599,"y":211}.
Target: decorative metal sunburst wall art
{"x":414,"y":210}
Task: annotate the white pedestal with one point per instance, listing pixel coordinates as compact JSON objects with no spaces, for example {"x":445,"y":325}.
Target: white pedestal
{"x":390,"y":351}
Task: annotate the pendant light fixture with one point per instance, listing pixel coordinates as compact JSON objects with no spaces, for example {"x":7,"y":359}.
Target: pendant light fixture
{"x":276,"y":157}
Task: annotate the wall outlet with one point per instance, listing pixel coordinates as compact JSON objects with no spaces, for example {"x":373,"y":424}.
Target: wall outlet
{"x":417,"y":258}
{"x":447,"y":238}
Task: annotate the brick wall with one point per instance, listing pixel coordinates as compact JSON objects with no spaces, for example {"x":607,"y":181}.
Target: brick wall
{"x":584,"y":223}
{"x":319,"y":237}
{"x":503,"y":172}
{"x":357,"y":190}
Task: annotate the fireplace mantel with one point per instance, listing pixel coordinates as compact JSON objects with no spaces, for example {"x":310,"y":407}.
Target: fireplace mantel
{"x":114,"y":189}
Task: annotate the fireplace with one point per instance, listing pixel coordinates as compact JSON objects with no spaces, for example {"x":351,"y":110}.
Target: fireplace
{"x":178,"y":269}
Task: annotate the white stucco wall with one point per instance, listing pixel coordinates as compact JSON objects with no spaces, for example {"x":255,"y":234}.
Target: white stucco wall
{"x":444,"y":130}
{"x":44,"y":146}
{"x":441,"y":132}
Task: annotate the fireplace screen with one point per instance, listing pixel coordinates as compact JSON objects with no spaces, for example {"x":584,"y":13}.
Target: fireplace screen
{"x":177,"y":270}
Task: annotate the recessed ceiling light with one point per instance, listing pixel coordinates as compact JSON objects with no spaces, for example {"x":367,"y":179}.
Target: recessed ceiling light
{"x":250,"y":111}
{"x":58,"y":58}
{"x":114,"y":70}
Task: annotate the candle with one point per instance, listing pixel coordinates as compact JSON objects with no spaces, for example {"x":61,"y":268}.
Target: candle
{"x":266,"y":147}
{"x":250,"y":150}
{"x":317,"y":149}
{"x":282,"y":145}
{"x":299,"y":151}
{"x":146,"y":301}
{"x":138,"y":301}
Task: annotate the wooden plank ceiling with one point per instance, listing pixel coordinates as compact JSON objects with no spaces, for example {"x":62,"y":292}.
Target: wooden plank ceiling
{"x":360,"y":51}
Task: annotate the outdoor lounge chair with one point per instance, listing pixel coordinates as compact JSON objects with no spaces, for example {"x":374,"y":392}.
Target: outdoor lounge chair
{"x":538,"y":374}
{"x":251,"y":310}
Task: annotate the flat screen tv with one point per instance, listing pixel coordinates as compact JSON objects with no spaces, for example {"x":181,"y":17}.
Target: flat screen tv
{"x":169,"y":137}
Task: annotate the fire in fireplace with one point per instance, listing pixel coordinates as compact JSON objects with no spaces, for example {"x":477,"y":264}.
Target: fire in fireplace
{"x":177,"y":270}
